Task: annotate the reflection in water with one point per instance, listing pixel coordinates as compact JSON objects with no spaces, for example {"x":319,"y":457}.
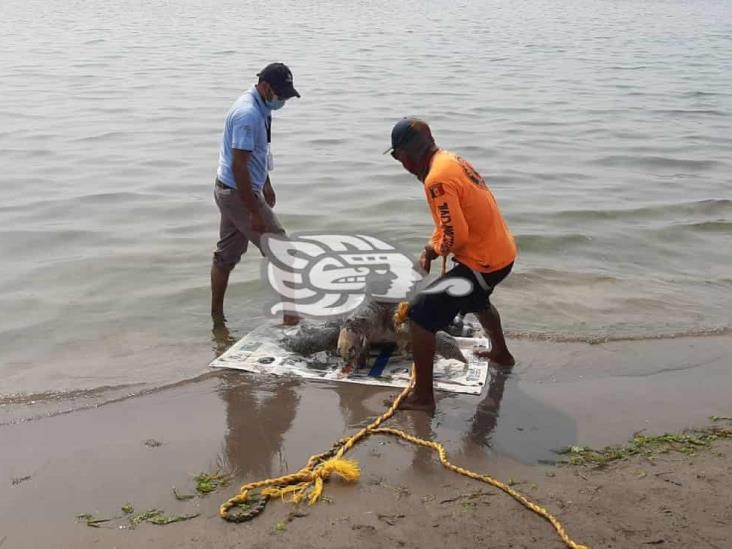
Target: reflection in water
{"x":257,"y":415}
{"x":420,"y":425}
{"x":351,"y":397}
{"x":530,"y":431}
{"x":221,"y":338}
{"x":357,"y":415}
{"x":482,"y":426}
{"x":260,"y":411}
{"x":486,"y":414}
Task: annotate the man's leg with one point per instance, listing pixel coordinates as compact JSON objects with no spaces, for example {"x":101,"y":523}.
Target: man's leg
{"x":428,"y":313}
{"x":498,"y":353}
{"x":219,"y":282}
{"x":422,"y":395}
{"x":229,"y":249}
{"x":490,"y":320}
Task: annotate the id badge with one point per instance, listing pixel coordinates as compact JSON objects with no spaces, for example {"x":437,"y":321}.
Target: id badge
{"x":270,"y":159}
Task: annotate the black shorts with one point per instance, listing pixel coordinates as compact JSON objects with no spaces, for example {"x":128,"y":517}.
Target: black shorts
{"x":435,"y":312}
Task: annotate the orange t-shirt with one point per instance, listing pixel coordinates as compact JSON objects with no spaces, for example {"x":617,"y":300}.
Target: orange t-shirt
{"x":468,"y":223}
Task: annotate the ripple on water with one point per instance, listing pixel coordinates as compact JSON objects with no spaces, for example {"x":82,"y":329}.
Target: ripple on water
{"x":603,"y":135}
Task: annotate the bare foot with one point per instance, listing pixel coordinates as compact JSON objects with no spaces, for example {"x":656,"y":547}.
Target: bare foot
{"x":502,"y":359}
{"x":418,"y":403}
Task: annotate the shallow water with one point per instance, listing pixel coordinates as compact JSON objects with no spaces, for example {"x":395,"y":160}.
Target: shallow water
{"x":604,"y":129}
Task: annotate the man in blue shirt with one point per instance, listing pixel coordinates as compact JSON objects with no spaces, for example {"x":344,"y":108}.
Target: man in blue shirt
{"x":243,"y":190}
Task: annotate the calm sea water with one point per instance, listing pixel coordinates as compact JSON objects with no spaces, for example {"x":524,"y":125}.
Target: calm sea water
{"x":603,"y":127}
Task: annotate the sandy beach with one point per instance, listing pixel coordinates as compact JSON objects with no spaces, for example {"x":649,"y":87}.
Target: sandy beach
{"x":63,"y":463}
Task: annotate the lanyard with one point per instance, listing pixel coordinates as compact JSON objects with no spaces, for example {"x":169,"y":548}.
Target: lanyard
{"x":267,"y":121}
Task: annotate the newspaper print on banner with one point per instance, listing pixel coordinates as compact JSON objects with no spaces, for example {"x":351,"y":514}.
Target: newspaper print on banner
{"x":262,"y":351}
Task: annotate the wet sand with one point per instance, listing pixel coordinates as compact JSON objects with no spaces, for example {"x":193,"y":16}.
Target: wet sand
{"x":94,"y":460}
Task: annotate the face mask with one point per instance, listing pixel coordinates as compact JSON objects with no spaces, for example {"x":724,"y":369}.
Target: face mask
{"x":275,"y":103}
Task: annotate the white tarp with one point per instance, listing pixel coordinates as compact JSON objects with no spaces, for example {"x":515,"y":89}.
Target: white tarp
{"x":261,"y":351}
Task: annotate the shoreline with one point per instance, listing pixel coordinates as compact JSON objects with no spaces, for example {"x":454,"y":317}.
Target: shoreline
{"x":95,"y":460}
{"x":221,"y":341}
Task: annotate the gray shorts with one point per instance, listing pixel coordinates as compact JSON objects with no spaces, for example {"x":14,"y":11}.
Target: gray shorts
{"x":235,"y":230}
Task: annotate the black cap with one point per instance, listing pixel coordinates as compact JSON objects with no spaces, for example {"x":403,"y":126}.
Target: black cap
{"x":279,"y":76}
{"x":407,"y":129}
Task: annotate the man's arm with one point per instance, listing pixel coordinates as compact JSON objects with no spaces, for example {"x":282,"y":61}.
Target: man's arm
{"x":244,"y":185}
{"x":240,"y":168}
{"x":269,"y":194}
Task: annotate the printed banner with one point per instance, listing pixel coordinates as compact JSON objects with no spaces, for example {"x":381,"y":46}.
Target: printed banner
{"x":262,"y":352}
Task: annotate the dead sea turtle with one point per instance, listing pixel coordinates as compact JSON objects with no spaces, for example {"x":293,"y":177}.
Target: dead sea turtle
{"x":371,"y":324}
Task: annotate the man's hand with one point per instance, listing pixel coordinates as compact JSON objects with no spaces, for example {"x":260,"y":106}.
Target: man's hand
{"x":269,"y":194}
{"x":428,"y":255}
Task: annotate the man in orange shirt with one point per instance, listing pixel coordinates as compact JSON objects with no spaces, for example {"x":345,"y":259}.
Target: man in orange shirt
{"x":469,"y":225}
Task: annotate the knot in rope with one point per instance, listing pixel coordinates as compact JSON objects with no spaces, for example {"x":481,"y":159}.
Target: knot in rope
{"x":402,"y":311}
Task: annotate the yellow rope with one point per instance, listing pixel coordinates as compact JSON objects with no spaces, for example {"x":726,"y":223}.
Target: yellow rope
{"x":310,"y":478}
{"x":400,"y":316}
{"x":523,"y":500}
{"x":309,"y":481}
